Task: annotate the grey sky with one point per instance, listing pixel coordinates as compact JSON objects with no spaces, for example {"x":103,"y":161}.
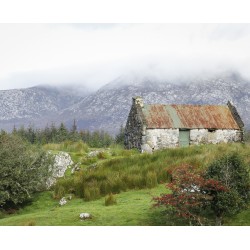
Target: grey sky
{"x":94,"y":54}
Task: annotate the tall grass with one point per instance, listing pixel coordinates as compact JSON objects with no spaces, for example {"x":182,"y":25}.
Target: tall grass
{"x":68,"y":146}
{"x":138,"y":171}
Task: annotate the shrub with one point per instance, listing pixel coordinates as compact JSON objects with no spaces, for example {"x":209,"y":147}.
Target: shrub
{"x":190,"y":195}
{"x":201,"y":197}
{"x":24,"y":169}
{"x":110,"y":200}
{"x":232,"y":172}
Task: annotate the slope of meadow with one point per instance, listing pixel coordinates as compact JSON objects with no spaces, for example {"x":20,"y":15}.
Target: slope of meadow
{"x":134,"y":179}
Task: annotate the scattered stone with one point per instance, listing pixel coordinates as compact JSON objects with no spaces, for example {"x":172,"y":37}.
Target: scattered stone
{"x":93,"y":166}
{"x":69,"y":197}
{"x":63,"y":201}
{"x":75,"y":168}
{"x":94,"y":153}
{"x":84,"y":216}
{"x":145,"y":148}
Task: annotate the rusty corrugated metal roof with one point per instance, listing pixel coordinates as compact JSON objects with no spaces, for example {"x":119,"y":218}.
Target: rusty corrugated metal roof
{"x":188,"y":116}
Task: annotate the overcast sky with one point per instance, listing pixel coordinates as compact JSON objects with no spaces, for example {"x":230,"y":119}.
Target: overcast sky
{"x":94,"y":54}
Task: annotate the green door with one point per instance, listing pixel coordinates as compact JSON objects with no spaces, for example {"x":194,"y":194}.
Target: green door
{"x":184,"y":138}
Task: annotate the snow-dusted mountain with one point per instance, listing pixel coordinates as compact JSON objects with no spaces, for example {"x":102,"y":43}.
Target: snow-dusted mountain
{"x":108,"y":107}
{"x":36,"y":105}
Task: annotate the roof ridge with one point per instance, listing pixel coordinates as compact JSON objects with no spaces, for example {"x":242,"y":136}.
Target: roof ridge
{"x":216,"y":105}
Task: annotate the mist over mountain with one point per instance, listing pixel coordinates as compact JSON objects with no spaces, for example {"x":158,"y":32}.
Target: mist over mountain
{"x":108,"y":107}
{"x":34,"y":106}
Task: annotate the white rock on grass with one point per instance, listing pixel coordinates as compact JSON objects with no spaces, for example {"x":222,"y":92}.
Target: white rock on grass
{"x":84,"y":216}
{"x":75,"y":168}
{"x":63,"y":201}
{"x":94,"y":153}
{"x":145,"y":148}
{"x":62,"y":161}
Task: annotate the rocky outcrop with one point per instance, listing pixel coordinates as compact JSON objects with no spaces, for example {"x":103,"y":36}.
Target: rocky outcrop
{"x":62,"y":161}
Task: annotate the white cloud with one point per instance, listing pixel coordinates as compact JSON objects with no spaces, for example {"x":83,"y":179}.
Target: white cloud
{"x":93,"y":54}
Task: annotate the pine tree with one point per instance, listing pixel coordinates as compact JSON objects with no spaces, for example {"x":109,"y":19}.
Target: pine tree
{"x":74,"y":135}
{"x":62,"y":134}
{"x":119,"y":139}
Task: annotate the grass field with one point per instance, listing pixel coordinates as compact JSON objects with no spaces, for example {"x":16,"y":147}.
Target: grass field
{"x":134,"y":203}
{"x":132,"y":208}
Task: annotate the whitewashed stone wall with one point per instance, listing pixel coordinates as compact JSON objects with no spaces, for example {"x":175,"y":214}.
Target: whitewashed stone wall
{"x":203,"y":136}
{"x":161,"y":138}
{"x":153,"y":139}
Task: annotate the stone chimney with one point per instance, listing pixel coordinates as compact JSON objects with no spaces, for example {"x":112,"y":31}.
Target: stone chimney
{"x":137,"y":100}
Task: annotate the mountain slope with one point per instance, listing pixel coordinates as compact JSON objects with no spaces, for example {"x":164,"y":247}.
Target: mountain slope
{"x":36,"y":105}
{"x":108,"y":108}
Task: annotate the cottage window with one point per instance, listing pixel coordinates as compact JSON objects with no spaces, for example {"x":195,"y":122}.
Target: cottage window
{"x":211,"y":130}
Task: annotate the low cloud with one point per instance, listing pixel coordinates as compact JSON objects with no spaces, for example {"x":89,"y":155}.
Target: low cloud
{"x":93,"y":55}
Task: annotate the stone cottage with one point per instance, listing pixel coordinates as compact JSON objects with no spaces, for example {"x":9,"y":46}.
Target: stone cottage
{"x":155,"y":126}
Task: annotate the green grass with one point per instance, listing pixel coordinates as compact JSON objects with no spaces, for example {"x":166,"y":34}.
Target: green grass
{"x":132,"y":208}
{"x":241,"y":219}
{"x":128,"y":175}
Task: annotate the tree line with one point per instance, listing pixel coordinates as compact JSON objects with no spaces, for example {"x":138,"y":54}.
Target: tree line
{"x":58,"y":134}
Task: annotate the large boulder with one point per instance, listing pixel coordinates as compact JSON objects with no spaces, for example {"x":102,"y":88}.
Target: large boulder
{"x":62,"y":161}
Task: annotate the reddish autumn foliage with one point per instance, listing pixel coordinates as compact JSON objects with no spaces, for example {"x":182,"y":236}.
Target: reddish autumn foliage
{"x":190,"y":193}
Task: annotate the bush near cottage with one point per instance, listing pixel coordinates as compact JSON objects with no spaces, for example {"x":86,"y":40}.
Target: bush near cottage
{"x":23,"y":170}
{"x":200,"y":197}
{"x":233,"y":173}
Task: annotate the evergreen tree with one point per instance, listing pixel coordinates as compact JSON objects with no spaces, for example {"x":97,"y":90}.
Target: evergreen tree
{"x":119,"y":139}
{"x":53,"y":132}
{"x":74,"y":135}
{"x":14,"y":131}
{"x":62,"y":134}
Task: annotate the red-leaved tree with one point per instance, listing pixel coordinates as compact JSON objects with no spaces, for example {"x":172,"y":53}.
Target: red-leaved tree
{"x":190,"y":194}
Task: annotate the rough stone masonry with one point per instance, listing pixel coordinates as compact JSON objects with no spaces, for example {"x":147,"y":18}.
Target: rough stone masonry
{"x":155,"y":126}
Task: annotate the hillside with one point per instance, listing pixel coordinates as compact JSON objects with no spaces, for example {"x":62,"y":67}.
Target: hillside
{"x":134,"y":198}
{"x":37,"y":105}
{"x":108,"y":107}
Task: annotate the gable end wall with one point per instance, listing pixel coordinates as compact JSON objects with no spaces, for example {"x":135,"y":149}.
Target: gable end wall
{"x":134,"y":128}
